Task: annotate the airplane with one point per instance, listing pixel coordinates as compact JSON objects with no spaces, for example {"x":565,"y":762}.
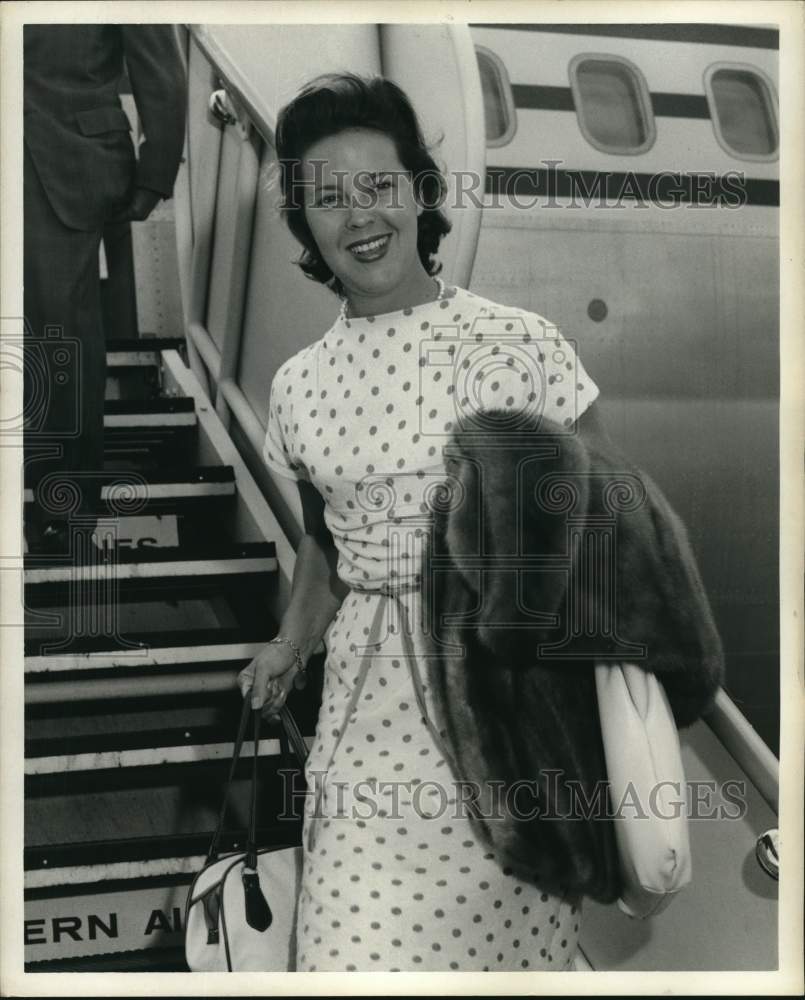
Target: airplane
{"x":621,"y":180}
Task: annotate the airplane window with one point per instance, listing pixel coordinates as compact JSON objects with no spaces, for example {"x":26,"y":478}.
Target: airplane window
{"x":612,"y":105}
{"x":498,"y":100}
{"x":745,"y":113}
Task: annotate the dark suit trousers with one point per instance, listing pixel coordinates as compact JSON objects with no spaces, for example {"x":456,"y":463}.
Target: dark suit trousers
{"x":64,"y":374}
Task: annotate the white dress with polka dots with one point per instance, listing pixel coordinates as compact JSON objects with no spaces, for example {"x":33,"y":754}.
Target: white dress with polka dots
{"x":395,"y":877}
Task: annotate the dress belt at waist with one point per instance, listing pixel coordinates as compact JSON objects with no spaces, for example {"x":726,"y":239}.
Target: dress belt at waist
{"x":386,"y":589}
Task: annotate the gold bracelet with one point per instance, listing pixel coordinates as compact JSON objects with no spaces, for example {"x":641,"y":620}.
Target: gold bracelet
{"x":300,"y":666}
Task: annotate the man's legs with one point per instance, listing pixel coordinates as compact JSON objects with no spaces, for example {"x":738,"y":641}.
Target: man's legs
{"x":64,"y":375}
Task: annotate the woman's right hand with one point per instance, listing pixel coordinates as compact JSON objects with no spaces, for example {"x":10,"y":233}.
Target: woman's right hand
{"x":268,"y":679}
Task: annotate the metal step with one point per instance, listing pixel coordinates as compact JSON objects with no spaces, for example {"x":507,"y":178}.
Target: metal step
{"x":159,"y":958}
{"x":68,"y":757}
{"x":115,"y":675}
{"x":110,"y":661}
{"x":93,"y":677}
{"x":134,"y":368}
{"x":131,"y":574}
{"x":109,"y":683}
{"x":155,"y":767}
{"x":150,"y":433}
{"x":106,"y":696}
{"x":111,"y":650}
{"x":142,"y":352}
{"x":85,"y":864}
{"x":148,"y":414}
{"x":174,"y":490}
{"x":148,"y":763}
{"x":156,"y":958}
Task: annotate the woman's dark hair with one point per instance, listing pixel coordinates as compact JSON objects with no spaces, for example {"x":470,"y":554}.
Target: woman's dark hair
{"x":330,"y":104}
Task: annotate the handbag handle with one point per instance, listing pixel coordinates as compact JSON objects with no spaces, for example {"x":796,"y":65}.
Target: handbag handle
{"x":291,"y":744}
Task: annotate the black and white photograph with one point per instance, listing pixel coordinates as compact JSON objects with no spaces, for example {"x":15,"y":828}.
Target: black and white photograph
{"x":402,"y":534}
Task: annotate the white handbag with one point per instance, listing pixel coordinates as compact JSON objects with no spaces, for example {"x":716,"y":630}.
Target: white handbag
{"x":646,"y":785}
{"x":241,"y":908}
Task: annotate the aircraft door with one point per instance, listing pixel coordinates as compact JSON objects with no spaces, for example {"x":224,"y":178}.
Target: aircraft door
{"x":449,"y":103}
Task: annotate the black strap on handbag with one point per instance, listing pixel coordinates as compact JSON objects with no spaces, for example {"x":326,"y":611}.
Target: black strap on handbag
{"x":292,"y":744}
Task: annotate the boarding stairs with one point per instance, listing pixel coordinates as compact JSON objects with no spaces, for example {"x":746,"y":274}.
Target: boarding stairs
{"x":131,"y":655}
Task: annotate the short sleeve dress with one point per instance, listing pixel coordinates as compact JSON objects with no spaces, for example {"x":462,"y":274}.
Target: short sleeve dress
{"x":395,"y":878}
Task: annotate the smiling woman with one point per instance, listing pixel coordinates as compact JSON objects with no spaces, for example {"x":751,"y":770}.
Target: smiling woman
{"x":396,"y":877}
{"x":354,"y":147}
{"x":364,"y":220}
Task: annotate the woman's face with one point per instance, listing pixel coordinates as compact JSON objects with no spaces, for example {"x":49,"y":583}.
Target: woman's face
{"x":361,"y":210}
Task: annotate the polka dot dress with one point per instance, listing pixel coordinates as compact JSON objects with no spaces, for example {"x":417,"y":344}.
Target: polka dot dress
{"x":395,"y":877}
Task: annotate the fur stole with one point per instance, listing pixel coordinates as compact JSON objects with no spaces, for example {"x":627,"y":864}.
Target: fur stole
{"x":547,"y":555}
